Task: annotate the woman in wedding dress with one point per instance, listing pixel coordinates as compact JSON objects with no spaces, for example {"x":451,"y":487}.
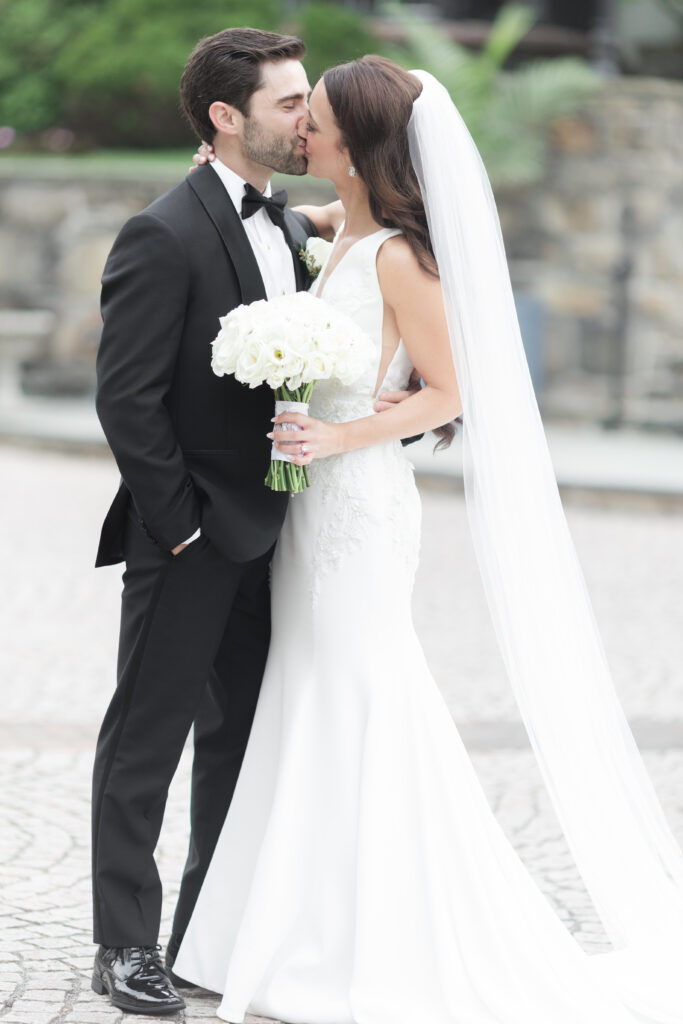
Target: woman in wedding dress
{"x":361,"y":877}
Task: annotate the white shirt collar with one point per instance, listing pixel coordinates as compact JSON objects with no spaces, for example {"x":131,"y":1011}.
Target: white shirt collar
{"x":234,"y":185}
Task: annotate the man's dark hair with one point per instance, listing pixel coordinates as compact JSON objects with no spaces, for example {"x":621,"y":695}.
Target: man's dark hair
{"x":227,"y":68}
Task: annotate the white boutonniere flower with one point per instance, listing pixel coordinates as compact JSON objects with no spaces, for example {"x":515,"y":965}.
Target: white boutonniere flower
{"x":314,"y":255}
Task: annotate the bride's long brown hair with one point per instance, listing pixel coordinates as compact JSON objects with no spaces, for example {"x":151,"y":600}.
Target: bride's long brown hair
{"x":372,"y":101}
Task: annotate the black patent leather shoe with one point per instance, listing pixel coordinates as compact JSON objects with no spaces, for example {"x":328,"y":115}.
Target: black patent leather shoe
{"x":170,"y":958}
{"x":135,"y":980}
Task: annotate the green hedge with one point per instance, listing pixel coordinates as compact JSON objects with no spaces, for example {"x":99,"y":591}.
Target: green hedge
{"x":108,"y":70}
{"x":332,"y":35}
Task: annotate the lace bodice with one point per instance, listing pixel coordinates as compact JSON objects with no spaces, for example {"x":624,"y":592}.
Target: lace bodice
{"x":353,"y":288}
{"x":365,"y":497}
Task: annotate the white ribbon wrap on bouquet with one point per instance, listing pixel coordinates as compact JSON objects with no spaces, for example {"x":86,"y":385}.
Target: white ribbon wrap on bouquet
{"x":280,"y":407}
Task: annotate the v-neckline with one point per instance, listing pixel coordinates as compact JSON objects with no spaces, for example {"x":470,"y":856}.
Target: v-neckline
{"x":328,"y":274}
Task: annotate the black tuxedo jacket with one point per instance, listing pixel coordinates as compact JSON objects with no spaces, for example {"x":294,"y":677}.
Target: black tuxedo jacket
{"x":191,"y":446}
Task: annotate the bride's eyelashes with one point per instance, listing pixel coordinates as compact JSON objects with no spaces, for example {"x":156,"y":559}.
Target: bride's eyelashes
{"x":310,"y":127}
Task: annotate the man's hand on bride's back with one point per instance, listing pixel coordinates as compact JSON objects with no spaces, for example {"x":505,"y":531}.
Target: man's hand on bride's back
{"x":388,"y":399}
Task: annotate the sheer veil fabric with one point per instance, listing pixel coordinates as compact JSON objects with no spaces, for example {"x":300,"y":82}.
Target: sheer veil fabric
{"x":553,"y":653}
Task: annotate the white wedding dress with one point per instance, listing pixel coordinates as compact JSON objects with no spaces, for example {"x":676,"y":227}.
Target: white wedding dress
{"x":360,"y":876}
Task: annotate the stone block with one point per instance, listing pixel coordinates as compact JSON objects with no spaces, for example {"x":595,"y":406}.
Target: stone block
{"x":657,"y":300}
{"x":596,"y":253}
{"x":80,"y":266}
{"x":577,"y":298}
{"x":39,"y":205}
{"x":22,"y":269}
{"x":103,"y":1014}
{"x":45,"y":995}
{"x":26,"y":1010}
{"x":575,"y":135}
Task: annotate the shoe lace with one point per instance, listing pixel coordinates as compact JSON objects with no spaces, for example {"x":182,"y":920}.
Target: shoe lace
{"x":149,"y":961}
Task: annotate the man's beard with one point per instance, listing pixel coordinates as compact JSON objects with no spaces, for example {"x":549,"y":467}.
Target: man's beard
{"x":278,"y":153}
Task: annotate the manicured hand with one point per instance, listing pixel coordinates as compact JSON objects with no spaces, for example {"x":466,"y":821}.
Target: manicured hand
{"x":314,"y":440}
{"x":205,"y":154}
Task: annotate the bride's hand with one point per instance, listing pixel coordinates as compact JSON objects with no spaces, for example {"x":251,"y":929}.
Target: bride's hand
{"x":315,"y":440}
{"x":205,"y":154}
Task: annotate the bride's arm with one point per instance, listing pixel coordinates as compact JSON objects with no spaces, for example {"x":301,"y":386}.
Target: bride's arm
{"x":326,"y":219}
{"x":416,"y":301}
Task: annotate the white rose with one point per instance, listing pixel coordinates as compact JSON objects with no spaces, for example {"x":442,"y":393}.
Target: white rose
{"x":318,"y":366}
{"x":315,"y":254}
{"x":224,"y":350}
{"x":319,"y":249}
{"x":251,"y":364}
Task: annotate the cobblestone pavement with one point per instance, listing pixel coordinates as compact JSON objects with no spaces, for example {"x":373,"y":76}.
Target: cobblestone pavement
{"x":59,"y":622}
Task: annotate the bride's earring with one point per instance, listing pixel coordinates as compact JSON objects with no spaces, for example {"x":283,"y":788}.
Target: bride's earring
{"x":352,"y":171}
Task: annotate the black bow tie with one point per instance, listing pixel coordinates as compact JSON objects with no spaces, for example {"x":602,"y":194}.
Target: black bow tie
{"x":274,"y":205}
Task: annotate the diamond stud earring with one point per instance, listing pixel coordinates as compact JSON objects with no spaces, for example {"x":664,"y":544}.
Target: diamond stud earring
{"x":352,"y":172}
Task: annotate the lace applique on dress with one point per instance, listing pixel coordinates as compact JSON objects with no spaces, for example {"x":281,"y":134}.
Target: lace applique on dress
{"x":358,"y":497}
{"x":347,"y":513}
{"x":370,"y":491}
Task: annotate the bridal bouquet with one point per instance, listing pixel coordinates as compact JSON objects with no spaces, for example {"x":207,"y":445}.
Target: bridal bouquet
{"x":289,"y":343}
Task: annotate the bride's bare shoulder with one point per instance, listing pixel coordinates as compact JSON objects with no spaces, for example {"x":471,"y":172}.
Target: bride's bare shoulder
{"x":400,"y":274}
{"x":396,"y":254}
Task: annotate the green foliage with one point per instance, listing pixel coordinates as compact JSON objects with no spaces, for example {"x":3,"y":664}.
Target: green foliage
{"x":333,"y":34}
{"x":507,"y":112}
{"x":33,"y":32}
{"x":108,"y":69}
{"x":120,"y":73}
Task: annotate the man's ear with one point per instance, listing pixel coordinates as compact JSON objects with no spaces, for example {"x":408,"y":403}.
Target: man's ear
{"x":225,"y":119}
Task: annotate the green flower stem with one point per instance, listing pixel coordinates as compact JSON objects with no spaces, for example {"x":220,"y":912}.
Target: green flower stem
{"x":285,"y":476}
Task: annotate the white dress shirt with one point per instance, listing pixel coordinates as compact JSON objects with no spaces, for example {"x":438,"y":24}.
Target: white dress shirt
{"x":272,"y":253}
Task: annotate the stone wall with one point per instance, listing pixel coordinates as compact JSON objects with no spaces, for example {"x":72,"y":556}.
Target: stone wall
{"x":54,"y":238}
{"x":600,"y":242}
{"x":612,"y":299}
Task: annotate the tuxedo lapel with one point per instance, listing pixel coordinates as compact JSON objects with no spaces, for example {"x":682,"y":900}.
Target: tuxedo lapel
{"x":296,"y":240}
{"x":299,"y":269}
{"x":211,"y":193}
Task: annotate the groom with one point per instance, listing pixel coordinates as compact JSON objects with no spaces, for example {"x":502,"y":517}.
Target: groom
{"x":192,"y":518}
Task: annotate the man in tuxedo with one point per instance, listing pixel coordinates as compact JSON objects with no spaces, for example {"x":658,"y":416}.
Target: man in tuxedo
{"x":192,"y":518}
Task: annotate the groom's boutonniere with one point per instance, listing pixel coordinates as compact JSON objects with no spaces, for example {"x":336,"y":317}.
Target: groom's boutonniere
{"x":314,"y":255}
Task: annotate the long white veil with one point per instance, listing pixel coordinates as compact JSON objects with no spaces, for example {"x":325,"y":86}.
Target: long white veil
{"x":615,"y":827}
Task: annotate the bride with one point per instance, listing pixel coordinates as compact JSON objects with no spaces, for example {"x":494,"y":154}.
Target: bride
{"x":361,"y":877}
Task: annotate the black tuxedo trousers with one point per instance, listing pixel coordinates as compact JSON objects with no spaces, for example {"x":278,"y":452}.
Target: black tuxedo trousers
{"x":193,"y":643}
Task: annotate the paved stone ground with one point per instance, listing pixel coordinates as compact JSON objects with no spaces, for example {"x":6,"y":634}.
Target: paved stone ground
{"x":59,"y":621}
